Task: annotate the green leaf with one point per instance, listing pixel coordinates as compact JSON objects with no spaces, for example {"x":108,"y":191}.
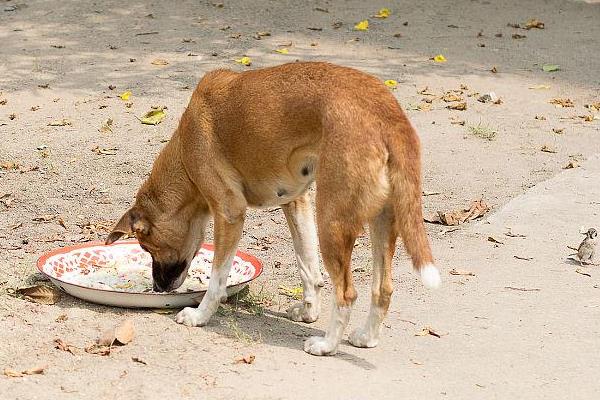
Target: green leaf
{"x":550,"y":67}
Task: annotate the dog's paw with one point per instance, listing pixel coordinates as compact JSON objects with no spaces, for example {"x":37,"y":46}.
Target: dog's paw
{"x":306,"y":312}
{"x":192,"y":317}
{"x":320,"y":346}
{"x":360,"y":338}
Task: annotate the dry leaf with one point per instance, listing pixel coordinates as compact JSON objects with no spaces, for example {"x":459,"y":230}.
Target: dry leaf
{"x":593,"y":106}
{"x":362,"y":25}
{"x":534,"y":23}
{"x":476,"y":209}
{"x":60,"y":122}
{"x":383,"y":13}
{"x":558,"y":131}
{"x":106,"y":126}
{"x":62,"y":345}
{"x":518,"y":36}
{"x":110,"y":151}
{"x":246,"y":61}
{"x":571,"y":164}
{"x":16,"y":374}
{"x":98,"y":349}
{"x":550,"y":67}
{"x":249,"y":359}
{"x":494,"y":240}
{"x":40,"y":294}
{"x":562,"y":102}
{"x":138,"y":360}
{"x":511,"y":234}
{"x":458,"y":106}
{"x":587,"y":117}
{"x":582,"y":272}
{"x":463,"y":273}
{"x":548,"y":149}
{"x":428,"y":331}
{"x":540,"y":117}
{"x":282,"y":51}
{"x":439,"y":58}
{"x":260,"y":35}
{"x":125,"y":95}
{"x":159,"y":61}
{"x":449,"y":97}
{"x":121,"y":334}
{"x":61,"y":318}
{"x":494,"y":70}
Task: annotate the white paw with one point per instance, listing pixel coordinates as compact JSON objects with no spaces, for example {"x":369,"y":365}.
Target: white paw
{"x":192,"y":317}
{"x":320,"y":346}
{"x":306,"y":312}
{"x":360,"y":338}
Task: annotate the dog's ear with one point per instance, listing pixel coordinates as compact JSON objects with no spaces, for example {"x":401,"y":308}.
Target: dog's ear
{"x":123,"y":227}
{"x":131,"y":222}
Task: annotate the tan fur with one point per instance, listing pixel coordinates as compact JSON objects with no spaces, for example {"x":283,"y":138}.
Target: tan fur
{"x":248,"y":139}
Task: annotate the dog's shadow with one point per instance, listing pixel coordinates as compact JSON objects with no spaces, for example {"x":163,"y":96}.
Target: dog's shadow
{"x":234,"y":322}
{"x":273,"y":328}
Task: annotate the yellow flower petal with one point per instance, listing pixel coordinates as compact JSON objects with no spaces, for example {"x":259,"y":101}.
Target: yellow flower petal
{"x":282,"y":51}
{"x":383,"y":13}
{"x":125,"y":95}
{"x":391,"y":83}
{"x":439,"y":58}
{"x":244,"y":61}
{"x":362,"y":25}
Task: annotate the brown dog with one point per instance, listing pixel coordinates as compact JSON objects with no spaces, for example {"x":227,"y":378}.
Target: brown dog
{"x":259,"y":139}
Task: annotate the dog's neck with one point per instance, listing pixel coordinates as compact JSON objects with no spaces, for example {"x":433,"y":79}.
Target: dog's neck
{"x":173,"y":190}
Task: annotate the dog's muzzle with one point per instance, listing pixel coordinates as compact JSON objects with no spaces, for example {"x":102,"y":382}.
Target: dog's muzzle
{"x":168,"y":277}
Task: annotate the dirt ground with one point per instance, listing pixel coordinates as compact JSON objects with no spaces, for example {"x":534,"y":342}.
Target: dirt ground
{"x":520,"y":327}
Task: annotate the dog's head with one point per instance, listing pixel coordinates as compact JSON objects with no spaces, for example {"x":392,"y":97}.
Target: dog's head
{"x":170,"y":238}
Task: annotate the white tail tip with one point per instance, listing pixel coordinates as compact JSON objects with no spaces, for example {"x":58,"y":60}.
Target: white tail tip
{"x":431,"y":276}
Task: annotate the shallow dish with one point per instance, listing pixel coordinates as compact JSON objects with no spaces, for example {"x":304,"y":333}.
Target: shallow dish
{"x":121,"y":275}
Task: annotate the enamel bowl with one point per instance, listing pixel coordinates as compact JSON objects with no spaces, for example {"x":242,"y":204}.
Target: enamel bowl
{"x":121,"y":275}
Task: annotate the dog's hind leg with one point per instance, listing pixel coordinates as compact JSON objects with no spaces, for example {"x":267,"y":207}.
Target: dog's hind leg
{"x":301,"y":221}
{"x":383,"y":238}
{"x":228,"y":230}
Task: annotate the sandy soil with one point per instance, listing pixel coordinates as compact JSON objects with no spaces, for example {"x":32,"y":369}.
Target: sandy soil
{"x":59,"y":60}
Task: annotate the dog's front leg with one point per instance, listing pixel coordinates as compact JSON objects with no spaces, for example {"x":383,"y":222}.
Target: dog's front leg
{"x":227,"y":235}
{"x":301,"y":221}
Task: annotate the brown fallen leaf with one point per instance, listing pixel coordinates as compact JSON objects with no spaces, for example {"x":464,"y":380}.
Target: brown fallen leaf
{"x":462,"y":106}
{"x":11,"y":373}
{"x":98,"y":349}
{"x":428,"y":331}
{"x":510,"y":233}
{"x":494,"y":70}
{"x":62,"y":318}
{"x":260,"y":35}
{"x":518,"y":36}
{"x":587,"y":117}
{"x":60,"y":122}
{"x":534,"y":23}
{"x":571,"y":164}
{"x":109,"y":151}
{"x":40,"y":294}
{"x":249,"y":359}
{"x":106,"y":126}
{"x":562,"y":102}
{"x":523,"y":258}
{"x":138,"y":360}
{"x":120,"y":334}
{"x":582,"y":272}
{"x":548,"y":149}
{"x":494,"y":240}
{"x":449,"y":97}
{"x":159,"y":61}
{"x":593,"y":106}
{"x":522,"y":289}
{"x":558,"y":131}
{"x":540,"y":117}
{"x":454,"y":271}
{"x":476,"y":209}
{"x":64,"y":346}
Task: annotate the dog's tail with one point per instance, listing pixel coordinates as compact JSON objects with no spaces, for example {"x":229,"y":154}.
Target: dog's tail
{"x":404,"y":171}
